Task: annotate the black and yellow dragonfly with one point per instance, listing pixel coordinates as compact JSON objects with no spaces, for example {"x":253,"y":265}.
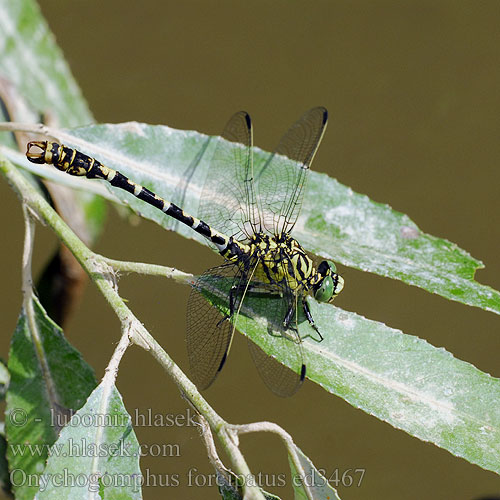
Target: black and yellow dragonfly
{"x":248,"y":216}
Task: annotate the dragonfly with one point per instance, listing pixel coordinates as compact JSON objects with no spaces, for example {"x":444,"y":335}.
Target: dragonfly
{"x":248,"y":214}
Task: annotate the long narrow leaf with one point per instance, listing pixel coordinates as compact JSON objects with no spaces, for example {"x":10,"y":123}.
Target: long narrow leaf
{"x":33,"y":63}
{"x":49,"y":380}
{"x":346,"y":226}
{"x":34,"y":66}
{"x":317,"y":484}
{"x":398,"y":378}
{"x":97,"y":451}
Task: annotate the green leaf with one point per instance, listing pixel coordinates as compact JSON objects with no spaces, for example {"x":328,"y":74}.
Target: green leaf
{"x":317,"y":483}
{"x":97,"y":451}
{"x":31,"y":60}
{"x":398,"y":378}
{"x":42,"y":84}
{"x":345,"y":226}
{"x":49,"y":380}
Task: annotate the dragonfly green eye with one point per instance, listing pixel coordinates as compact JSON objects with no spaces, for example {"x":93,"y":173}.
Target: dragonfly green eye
{"x":325,"y":291}
{"x":331,"y":283}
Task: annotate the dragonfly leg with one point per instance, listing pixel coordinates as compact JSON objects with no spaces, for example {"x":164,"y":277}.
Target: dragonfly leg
{"x":232,"y":299}
{"x":288,"y":317}
{"x":233,"y":305}
{"x":309,"y":317}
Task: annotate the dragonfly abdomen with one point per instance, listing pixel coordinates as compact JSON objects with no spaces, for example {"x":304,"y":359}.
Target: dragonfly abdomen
{"x":75,"y":163}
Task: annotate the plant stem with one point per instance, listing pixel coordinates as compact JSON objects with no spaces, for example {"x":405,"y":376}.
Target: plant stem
{"x":151,"y":270}
{"x":102,"y":274}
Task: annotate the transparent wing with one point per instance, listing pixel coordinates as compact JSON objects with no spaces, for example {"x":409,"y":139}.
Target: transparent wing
{"x":209,"y":332}
{"x":228,"y":201}
{"x":179,"y":196}
{"x":280,"y":379}
{"x":281,"y":181}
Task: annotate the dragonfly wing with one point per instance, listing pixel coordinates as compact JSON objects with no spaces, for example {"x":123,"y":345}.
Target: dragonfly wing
{"x":282,"y":180}
{"x":181,"y":189}
{"x":209,"y":332}
{"x":228,"y":201}
{"x":278,"y":378}
{"x":281,"y":379}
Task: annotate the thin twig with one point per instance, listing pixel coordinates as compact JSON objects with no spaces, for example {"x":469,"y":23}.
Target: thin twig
{"x":102,"y":274}
{"x":33,"y":128}
{"x":286,"y":438}
{"x":151,"y":270}
{"x":28,"y":306}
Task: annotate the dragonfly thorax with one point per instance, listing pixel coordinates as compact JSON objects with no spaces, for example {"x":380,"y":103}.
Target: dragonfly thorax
{"x":281,"y":261}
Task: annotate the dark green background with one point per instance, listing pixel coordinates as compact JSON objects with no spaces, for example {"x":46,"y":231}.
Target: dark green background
{"x":413,"y":94}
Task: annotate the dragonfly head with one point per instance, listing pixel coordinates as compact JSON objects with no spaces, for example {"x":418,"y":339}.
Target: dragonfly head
{"x":36,"y":151}
{"x":330,"y":283}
